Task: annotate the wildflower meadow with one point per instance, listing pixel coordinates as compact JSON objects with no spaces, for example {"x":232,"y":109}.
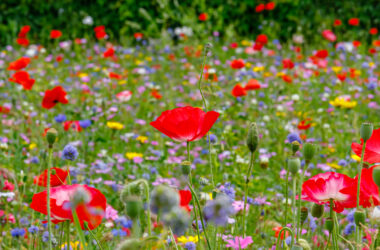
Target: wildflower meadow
{"x":185,"y":129}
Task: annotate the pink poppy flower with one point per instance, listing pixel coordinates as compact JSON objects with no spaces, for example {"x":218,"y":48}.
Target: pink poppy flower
{"x":372,"y":149}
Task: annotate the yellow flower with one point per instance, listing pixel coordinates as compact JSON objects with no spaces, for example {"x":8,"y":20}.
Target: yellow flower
{"x":280,"y":74}
{"x":82,"y":75}
{"x":115,"y":125}
{"x":334,"y":165}
{"x":74,"y":245}
{"x":183,"y":239}
{"x":267,"y":74}
{"x":257,"y":69}
{"x":148,"y":58}
{"x":246,"y":43}
{"x":248,"y":65}
{"x":371,"y":64}
{"x":32,"y":146}
{"x":142,"y":139}
{"x":132,"y":155}
{"x":343,"y":103}
{"x":122,"y":82}
{"x":336,"y":69}
{"x":356,"y":158}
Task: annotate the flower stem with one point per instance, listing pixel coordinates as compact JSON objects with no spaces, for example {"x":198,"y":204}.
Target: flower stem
{"x":333,"y":233}
{"x":299,"y":203}
{"x":148,"y":209}
{"x":246,"y":191}
{"x":78,"y":228}
{"x":358,"y":229}
{"x":68,"y":234}
{"x":93,"y":236}
{"x":286,"y":194}
{"x":48,"y":195}
{"x":281,"y":232}
{"x":294,"y":202}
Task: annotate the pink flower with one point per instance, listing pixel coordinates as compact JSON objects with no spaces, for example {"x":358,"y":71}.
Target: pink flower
{"x":239,"y":206}
{"x":111,"y":213}
{"x":239,"y":242}
{"x":329,"y":35}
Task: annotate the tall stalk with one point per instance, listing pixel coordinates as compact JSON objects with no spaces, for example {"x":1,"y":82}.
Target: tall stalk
{"x":358,"y":228}
{"x":246,"y":190}
{"x":48,"y":195}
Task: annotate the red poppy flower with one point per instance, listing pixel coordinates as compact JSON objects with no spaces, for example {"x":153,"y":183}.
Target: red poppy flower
{"x":234,"y":45}
{"x":287,"y":78}
{"x":270,"y":6}
{"x":203,"y":17}
{"x":124,"y":96}
{"x":356,"y":43}
{"x":287,"y":64}
{"x":258,"y":46}
{"x":337,"y":22}
{"x":4,"y":110}
{"x":23,"y":78}
{"x":372,"y":50}
{"x":113,"y":75}
{"x":372,"y":149}
{"x":100,"y":32}
{"x":56,"y":179}
{"x":54,"y":34}
{"x":54,"y":96}
{"x":110,"y":52}
{"x":342,"y":76}
{"x":373,"y":31}
{"x":262,"y":38}
{"x":376,"y":43}
{"x":322,"y":53}
{"x":369,"y":192}
{"x":238,"y":91}
{"x":22,"y":41}
{"x":138,"y":35}
{"x":353,"y":21}
{"x":184,"y":199}
{"x":75,"y":125}
{"x":24,"y":31}
{"x":323,"y":187}
{"x":277,"y":232}
{"x":156,"y":94}
{"x":237,"y":64}
{"x":329,"y":35}
{"x":252,"y":85}
{"x":185,"y":123}
{"x":19,"y":63}
{"x":305,"y":124}
{"x":260,"y":8}
{"x":91,"y":210}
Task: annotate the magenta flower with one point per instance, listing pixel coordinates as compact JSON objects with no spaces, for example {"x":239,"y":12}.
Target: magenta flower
{"x":239,"y":242}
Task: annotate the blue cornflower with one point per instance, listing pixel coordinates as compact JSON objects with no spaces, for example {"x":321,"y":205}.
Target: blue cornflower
{"x":70,"y":153}
{"x":229,"y":190}
{"x":350,"y":216}
{"x":218,"y":210}
{"x":24,"y":221}
{"x":85,"y":123}
{"x":213,"y":138}
{"x":18,"y":232}
{"x":45,"y":236}
{"x":372,"y":85}
{"x":33,"y":229}
{"x":35,"y":160}
{"x":349,"y":228}
{"x":312,"y":223}
{"x":294,"y":137}
{"x":60,"y":118}
{"x":190,"y":246}
{"x":342,"y":163}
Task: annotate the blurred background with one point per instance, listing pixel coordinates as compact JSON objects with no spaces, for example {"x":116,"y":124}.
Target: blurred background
{"x":199,"y":19}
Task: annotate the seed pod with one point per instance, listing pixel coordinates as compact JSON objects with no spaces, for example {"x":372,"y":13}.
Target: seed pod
{"x":304,"y":244}
{"x":294,"y":165}
{"x":304,"y":213}
{"x":329,"y":224}
{"x":359,"y":218}
{"x":366,"y":130}
{"x":296,"y":247}
{"x":185,"y":168}
{"x":51,"y":136}
{"x":308,"y":151}
{"x":317,"y":210}
{"x":376,"y":176}
{"x":253,"y":137}
{"x":133,"y":206}
{"x":295,"y":147}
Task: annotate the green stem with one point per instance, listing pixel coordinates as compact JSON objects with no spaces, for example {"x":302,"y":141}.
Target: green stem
{"x":358,"y":228}
{"x":93,"y":236}
{"x":200,"y":215}
{"x":333,"y":233}
{"x":79,"y":228}
{"x":294,"y":202}
{"x":48,"y":196}
{"x":68,"y":234}
{"x":279,"y":236}
{"x":299,"y":203}
{"x":286,"y":194}
{"x":246,"y":191}
{"x":172,"y":238}
{"x":148,"y":209}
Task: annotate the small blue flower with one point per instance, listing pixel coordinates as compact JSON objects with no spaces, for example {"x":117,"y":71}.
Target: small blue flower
{"x":349,"y":229}
{"x":70,"y":153}
{"x":85,"y":123}
{"x":35,"y":160}
{"x":342,"y":163}
{"x":45,"y":236}
{"x":60,"y":118}
{"x":33,"y":229}
{"x":190,"y":246}
{"x":18,"y":232}
{"x":294,"y":137}
{"x":372,"y":85}
{"x":218,"y":210}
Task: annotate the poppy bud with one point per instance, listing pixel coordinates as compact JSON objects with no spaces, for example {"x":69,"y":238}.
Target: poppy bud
{"x":130,"y":244}
{"x":185,"y":167}
{"x":359,"y":217}
{"x":296,"y":247}
{"x":376,"y":176}
{"x":366,"y":131}
{"x":53,"y":172}
{"x":304,"y":244}
{"x":253,"y":137}
{"x":295,"y":147}
{"x":131,"y":189}
{"x":317,"y":210}
{"x":133,"y":206}
{"x":51,"y":136}
{"x":329,"y":224}
{"x":209,"y":46}
{"x":294,"y":165}
{"x":304,"y":213}
{"x":308,"y":151}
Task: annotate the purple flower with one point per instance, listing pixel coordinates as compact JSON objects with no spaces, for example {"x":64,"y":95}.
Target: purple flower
{"x":60,"y":118}
{"x":70,"y":153}
{"x":293,"y":137}
{"x":218,"y":210}
{"x":85,"y":123}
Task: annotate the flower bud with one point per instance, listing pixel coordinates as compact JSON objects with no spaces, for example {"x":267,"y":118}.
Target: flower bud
{"x":304,"y":244}
{"x":131,"y":189}
{"x":376,"y":176}
{"x":317,"y":210}
{"x":186,"y":168}
{"x":359,"y":218}
{"x":163,"y":199}
{"x":51,"y":136}
{"x":253,"y":137}
{"x":366,"y":131}
{"x":294,"y":165}
{"x":308,"y":151}
{"x":329,"y":224}
{"x":296,"y":247}
{"x":304,"y":213}
{"x":133,"y":206}
{"x":295,"y":147}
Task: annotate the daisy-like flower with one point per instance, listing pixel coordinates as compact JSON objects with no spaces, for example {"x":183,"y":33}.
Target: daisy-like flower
{"x":115,"y":125}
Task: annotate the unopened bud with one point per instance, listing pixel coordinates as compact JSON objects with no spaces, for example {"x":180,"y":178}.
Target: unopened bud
{"x":366,"y":131}
{"x":304,"y":213}
{"x":329,"y":224}
{"x":294,"y":165}
{"x":359,"y":218}
{"x":186,"y":167}
{"x":295,"y":147}
{"x":133,"y":206}
{"x":317,"y":210}
{"x":376,"y":176}
{"x":308,"y":151}
{"x":51,"y":136}
{"x":296,"y":247}
{"x":253,"y":137}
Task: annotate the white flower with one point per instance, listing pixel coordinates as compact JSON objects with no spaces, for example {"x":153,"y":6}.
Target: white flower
{"x":295,"y":97}
{"x":88,"y":20}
